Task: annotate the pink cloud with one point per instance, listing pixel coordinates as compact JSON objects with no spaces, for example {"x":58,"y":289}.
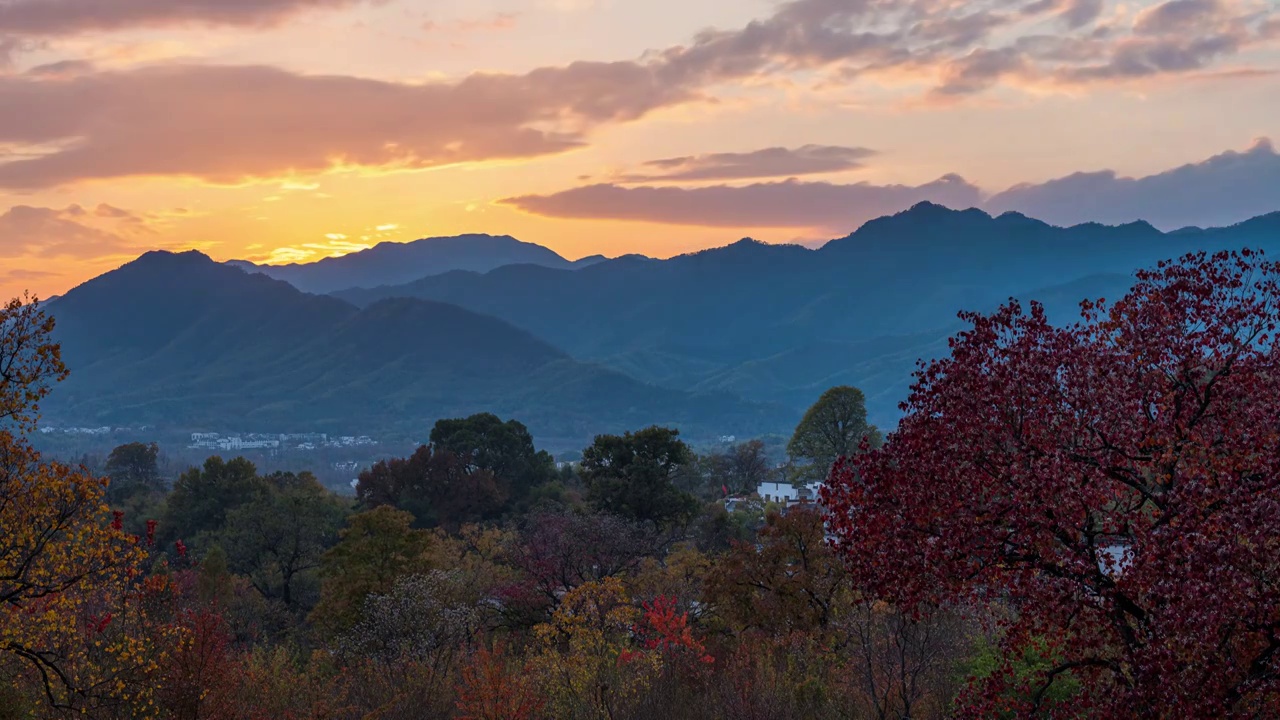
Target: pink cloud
{"x":1224,"y":189}
{"x":52,"y":233}
{"x":766,"y":163}
{"x":230,"y":124}
{"x":61,"y":17}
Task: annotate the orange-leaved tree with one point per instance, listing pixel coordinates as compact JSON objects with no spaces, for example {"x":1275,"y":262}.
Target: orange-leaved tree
{"x":68,"y":573}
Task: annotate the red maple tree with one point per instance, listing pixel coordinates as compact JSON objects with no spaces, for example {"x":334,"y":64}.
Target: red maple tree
{"x":1114,"y":483}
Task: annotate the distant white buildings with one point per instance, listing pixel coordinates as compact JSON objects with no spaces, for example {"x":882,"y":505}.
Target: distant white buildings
{"x":47,"y":429}
{"x":274,"y":441}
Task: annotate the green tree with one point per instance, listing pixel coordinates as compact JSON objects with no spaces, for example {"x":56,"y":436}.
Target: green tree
{"x":375,"y":548}
{"x":632,"y":475}
{"x":201,"y":497}
{"x":278,"y":540}
{"x":133,"y":471}
{"x":833,"y":428}
{"x":503,"y":448}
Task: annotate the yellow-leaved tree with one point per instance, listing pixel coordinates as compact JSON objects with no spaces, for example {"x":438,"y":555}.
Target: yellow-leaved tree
{"x":75,"y":636}
{"x":590,"y":665}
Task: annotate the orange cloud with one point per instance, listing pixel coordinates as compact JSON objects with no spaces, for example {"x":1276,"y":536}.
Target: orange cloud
{"x":70,"y":232}
{"x":232,"y":124}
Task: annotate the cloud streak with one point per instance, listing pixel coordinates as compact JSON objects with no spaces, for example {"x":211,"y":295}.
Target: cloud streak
{"x":784,"y":204}
{"x":765,"y":163}
{"x":1221,"y":190}
{"x":65,"y":17}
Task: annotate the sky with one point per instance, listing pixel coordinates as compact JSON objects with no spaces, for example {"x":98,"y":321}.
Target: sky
{"x":290,"y":130}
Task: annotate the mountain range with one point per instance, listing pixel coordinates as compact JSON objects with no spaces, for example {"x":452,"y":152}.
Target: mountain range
{"x":180,"y":341}
{"x":391,"y":263}
{"x":781,"y":323}
{"x":734,"y":340}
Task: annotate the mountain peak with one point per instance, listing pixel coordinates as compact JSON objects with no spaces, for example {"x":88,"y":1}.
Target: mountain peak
{"x":186,"y":257}
{"x":396,"y":263}
{"x":926,"y":206}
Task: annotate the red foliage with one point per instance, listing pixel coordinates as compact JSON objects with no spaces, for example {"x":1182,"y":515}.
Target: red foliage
{"x":1034,"y":456}
{"x":199,"y":672}
{"x":667,"y":630}
{"x":491,"y":689}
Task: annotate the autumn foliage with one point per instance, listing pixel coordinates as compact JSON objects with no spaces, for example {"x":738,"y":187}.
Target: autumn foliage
{"x":1115,"y":484}
{"x":1075,"y":521}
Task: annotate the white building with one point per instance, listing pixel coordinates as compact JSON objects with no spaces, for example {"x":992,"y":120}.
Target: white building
{"x":785,"y":492}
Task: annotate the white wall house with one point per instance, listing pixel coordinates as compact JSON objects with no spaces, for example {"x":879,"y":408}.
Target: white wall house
{"x":784,"y":492}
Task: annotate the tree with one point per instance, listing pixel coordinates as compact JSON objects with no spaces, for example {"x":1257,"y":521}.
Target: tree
{"x":590,"y":662}
{"x":494,"y":688}
{"x":375,"y":548}
{"x":1115,"y":482}
{"x":133,"y":471}
{"x":560,"y":551}
{"x":632,"y":475}
{"x":503,"y":448}
{"x":437,"y":486}
{"x":63,"y":562}
{"x":834,"y":427}
{"x":201,"y":497}
{"x":740,"y":470}
{"x":787,"y":581}
{"x":278,"y":540}
{"x":423,"y":618}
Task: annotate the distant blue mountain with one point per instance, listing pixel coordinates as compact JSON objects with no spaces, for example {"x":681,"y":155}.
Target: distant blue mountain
{"x":780,"y":323}
{"x":391,"y":263}
{"x":182,"y":342}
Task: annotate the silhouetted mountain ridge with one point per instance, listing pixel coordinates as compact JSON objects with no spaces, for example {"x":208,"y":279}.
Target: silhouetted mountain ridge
{"x":390,"y":263}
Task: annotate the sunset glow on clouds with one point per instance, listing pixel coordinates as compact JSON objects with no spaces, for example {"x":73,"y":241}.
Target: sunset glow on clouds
{"x":287,"y":130}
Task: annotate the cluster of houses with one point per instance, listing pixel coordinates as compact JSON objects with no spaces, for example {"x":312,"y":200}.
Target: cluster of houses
{"x":274,"y":441}
{"x":104,"y":430}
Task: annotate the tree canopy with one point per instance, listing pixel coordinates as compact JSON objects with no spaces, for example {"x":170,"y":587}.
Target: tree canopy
{"x":632,"y":475}
{"x":503,"y":448}
{"x":1116,"y":481}
{"x":203,"y":496}
{"x":439,"y":487}
{"x":134,"y":470}
{"x":834,"y":427}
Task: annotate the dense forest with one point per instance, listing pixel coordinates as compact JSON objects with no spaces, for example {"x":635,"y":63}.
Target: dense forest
{"x":1070,"y":521}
